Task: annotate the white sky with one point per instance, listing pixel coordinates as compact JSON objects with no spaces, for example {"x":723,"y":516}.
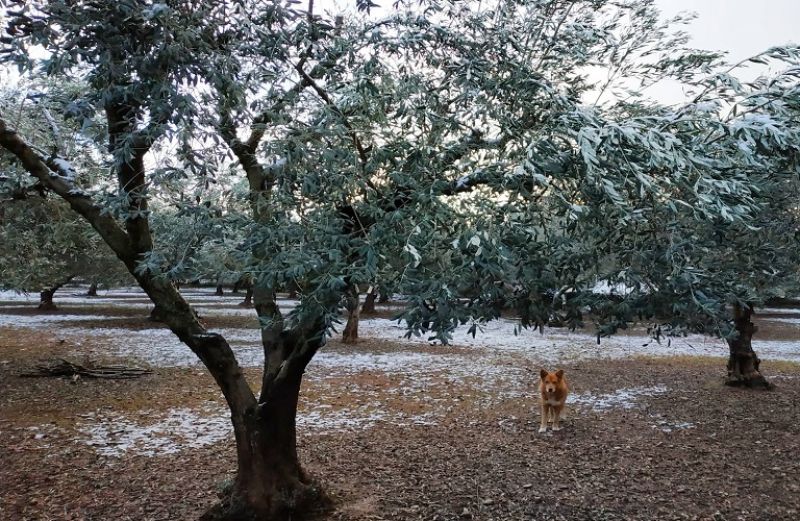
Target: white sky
{"x":741,"y":27}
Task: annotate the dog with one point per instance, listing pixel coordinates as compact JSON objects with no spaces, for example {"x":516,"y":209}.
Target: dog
{"x":553,"y":389}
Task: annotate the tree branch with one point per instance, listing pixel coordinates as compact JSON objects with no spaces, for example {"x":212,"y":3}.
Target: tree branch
{"x":322,"y":93}
{"x":51,"y":175}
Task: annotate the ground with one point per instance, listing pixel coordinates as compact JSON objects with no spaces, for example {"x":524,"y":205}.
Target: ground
{"x":398,"y":429}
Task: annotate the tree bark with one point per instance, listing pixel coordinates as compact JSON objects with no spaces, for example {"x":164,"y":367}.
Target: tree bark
{"x":248,"y":298}
{"x":92,"y":290}
{"x":46,"y":300}
{"x":350,"y":333}
{"x":270,"y":482}
{"x":369,"y":302}
{"x":157,"y":314}
{"x":219,"y":292}
{"x":743,"y":363}
{"x":46,"y":295}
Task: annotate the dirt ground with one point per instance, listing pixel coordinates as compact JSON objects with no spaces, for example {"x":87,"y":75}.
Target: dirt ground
{"x":692,"y":450}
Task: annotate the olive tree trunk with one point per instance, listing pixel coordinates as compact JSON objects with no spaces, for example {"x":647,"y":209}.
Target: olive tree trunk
{"x":46,"y":295}
{"x":248,"y":298}
{"x":270,"y":483}
{"x":743,"y":363}
{"x":369,"y":301}
{"x":350,"y":333}
{"x":92,"y":290}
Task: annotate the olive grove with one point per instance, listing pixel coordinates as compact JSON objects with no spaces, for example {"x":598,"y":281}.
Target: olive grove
{"x":465,"y":148}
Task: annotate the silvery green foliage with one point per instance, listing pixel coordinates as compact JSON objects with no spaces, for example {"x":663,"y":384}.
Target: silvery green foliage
{"x":683,"y":265}
{"x":464,"y":150}
{"x":43,"y":241}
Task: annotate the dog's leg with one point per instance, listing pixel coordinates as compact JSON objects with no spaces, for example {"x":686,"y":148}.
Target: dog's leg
{"x":545,"y":412}
{"x":556,"y":414}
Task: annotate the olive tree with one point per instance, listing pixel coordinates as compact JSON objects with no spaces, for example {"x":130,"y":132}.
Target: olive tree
{"x":687,"y":270}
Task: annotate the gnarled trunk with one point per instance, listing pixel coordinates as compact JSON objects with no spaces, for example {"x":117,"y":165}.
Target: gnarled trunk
{"x":350,"y":333}
{"x":46,"y":300}
{"x":248,"y":298}
{"x":270,"y":482}
{"x":219,"y":291}
{"x":743,"y":363}
{"x":369,"y":302}
{"x":46,"y":295}
{"x":92,"y":290}
{"x":157,"y":314}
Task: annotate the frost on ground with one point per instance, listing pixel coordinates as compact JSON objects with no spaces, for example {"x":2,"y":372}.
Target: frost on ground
{"x":112,"y":434}
{"x":626,"y":398}
{"x":154,"y":434}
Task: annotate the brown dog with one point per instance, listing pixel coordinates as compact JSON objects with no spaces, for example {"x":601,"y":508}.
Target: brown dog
{"x":553,"y":389}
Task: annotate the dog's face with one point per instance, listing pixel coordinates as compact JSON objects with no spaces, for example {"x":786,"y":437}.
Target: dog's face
{"x":550,"y":381}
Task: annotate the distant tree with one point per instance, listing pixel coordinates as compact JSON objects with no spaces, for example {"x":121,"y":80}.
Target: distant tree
{"x":687,"y":269}
{"x":462,"y":153}
{"x":45,"y":243}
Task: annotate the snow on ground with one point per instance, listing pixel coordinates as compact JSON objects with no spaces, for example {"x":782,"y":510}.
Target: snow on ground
{"x":665,"y":425}
{"x":157,"y":346}
{"x":112,"y":434}
{"x":32,"y":321}
{"x":783,"y":320}
{"x":777,"y":311}
{"x":626,"y":398}
{"x":561,"y":345}
{"x":149,"y":433}
{"x":153,"y":434}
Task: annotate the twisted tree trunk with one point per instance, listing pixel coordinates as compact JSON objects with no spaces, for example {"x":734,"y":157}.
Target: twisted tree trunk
{"x":270,"y":482}
{"x":350,"y":333}
{"x":92,"y":290}
{"x":219,"y":292}
{"x":46,"y":295}
{"x":743,"y":363}
{"x":369,"y":301}
{"x":248,"y":298}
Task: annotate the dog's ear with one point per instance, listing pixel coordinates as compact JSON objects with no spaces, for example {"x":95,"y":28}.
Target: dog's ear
{"x":560,"y":374}
{"x":543,"y":373}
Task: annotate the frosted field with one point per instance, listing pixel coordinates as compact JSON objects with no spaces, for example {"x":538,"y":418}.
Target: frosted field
{"x":496,"y":364}
{"x":158,"y":347}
